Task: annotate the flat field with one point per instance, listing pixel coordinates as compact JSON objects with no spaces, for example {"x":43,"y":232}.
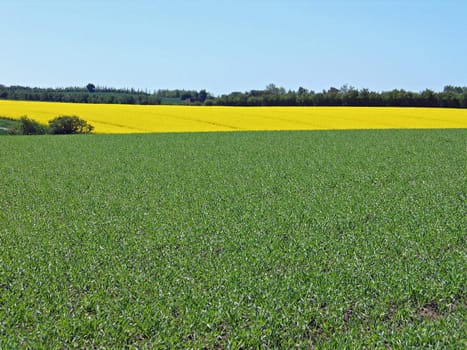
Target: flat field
{"x":325,"y":239}
{"x":148,"y":119}
{"x":6,"y":124}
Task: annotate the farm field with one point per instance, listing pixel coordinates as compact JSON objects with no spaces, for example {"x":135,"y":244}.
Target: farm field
{"x":113,"y":118}
{"x":7,"y":124}
{"x":234,"y":240}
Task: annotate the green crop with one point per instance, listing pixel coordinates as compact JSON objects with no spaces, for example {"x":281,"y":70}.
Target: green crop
{"x":234,"y":240}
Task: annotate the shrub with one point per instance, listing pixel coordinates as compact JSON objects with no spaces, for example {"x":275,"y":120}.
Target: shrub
{"x":69,"y":125}
{"x":29,"y":127}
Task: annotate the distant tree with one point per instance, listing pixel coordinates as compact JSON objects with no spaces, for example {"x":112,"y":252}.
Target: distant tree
{"x":349,"y":98}
{"x":429,"y":98}
{"x":363,"y":97}
{"x":463,"y":99}
{"x":346,"y":88}
{"x":69,"y":125}
{"x":302,"y":91}
{"x":186,"y":96}
{"x":202,"y":96}
{"x":91,"y":87}
{"x":454,"y":89}
{"x":274,"y":90}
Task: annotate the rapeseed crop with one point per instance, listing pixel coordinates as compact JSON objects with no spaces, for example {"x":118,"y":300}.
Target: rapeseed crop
{"x":124,"y":119}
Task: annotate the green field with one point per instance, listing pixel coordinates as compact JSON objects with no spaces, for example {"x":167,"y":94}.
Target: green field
{"x":6,"y":124}
{"x":229,"y":240}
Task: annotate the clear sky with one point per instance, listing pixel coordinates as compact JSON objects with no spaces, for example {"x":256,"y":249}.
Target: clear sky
{"x":236,"y":45}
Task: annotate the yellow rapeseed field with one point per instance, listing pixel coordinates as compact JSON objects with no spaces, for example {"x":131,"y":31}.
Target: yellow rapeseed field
{"x":144,"y":119}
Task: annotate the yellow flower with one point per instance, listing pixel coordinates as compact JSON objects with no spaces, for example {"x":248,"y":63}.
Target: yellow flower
{"x":114,"y":118}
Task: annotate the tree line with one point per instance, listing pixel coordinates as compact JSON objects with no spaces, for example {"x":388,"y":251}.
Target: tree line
{"x":451,"y":96}
{"x":272,"y":95}
{"x":92,"y":94}
{"x":88,"y":94}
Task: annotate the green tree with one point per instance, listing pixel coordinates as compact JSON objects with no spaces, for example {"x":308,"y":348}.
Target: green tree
{"x":202,"y":95}
{"x":69,"y":125}
{"x":274,"y":90}
{"x":91,"y":87}
{"x":302,"y":91}
{"x":29,"y":126}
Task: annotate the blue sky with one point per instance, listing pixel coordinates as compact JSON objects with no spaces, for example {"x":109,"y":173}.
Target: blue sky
{"x":225,"y":46}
